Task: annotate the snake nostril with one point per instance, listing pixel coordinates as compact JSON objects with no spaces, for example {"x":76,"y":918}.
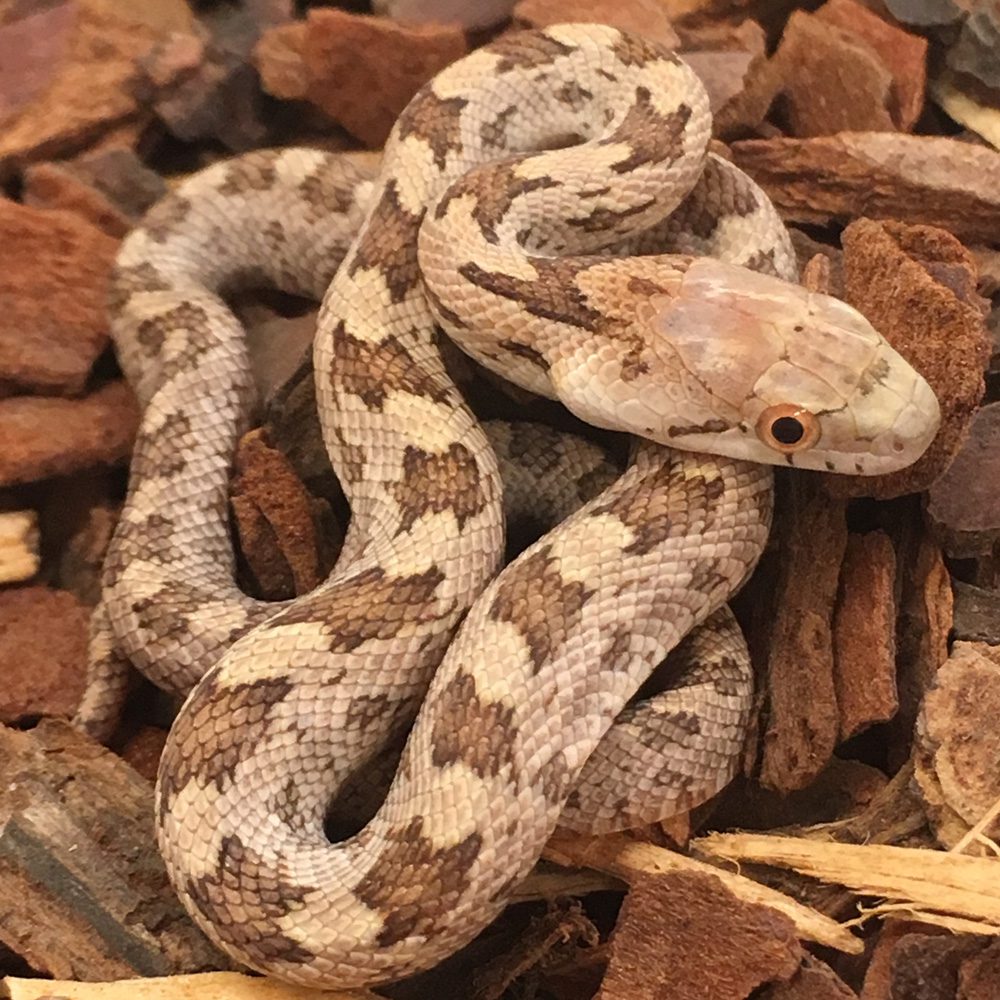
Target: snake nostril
{"x":898,"y":445}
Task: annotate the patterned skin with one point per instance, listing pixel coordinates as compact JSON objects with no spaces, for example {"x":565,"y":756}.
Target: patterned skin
{"x":518,"y":256}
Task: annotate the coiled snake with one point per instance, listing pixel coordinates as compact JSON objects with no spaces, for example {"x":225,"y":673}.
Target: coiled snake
{"x":533,"y":262}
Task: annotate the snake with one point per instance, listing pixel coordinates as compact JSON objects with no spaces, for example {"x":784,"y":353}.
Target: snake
{"x":550,"y":204}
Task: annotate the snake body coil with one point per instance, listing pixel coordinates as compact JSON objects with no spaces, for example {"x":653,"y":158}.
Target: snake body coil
{"x":529,"y":261}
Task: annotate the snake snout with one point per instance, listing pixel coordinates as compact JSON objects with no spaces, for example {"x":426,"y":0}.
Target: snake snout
{"x":899,"y":420}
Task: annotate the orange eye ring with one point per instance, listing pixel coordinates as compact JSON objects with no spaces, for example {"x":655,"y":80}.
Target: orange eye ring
{"x":787,"y":428}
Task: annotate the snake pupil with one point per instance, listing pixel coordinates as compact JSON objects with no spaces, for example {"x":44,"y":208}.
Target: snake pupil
{"x":787,"y":430}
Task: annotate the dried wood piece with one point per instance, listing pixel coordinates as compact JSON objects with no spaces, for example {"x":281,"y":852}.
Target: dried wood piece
{"x":803,"y":721}
{"x":277,"y":344}
{"x":816,"y":57}
{"x":815,"y":980}
{"x":926,"y":13}
{"x":864,"y":634}
{"x":199,"y":986}
{"x":917,"y":286}
{"x":925,"y":619}
{"x":45,"y":436}
{"x":67,"y":69}
{"x":121,"y":176}
{"x":286,"y":536}
{"x":957,"y":746}
{"x":645,"y":17}
{"x":43,"y":647}
{"x":685,"y":935}
{"x":843,"y":788}
{"x":481,"y":14}
{"x":361,"y":71}
{"x":977,"y":614}
{"x":19,"y":558}
{"x":564,"y":930}
{"x":951,"y":94}
{"x":977,"y":49}
{"x":964,"y":504}
{"x":635,"y":860}
{"x":950,"y":890}
{"x":901,"y":52}
{"x":108,"y":188}
{"x":52,"y":185}
{"x":979,"y":974}
{"x":921,"y":964}
{"x":83,"y":892}
{"x":206,"y":88}
{"x":731,"y":60}
{"x":78,"y":519}
{"x":895,"y":815}
{"x":919,"y":179}
{"x":143,"y":750}
{"x":724,"y":75}
{"x":808,"y":249}
{"x":878,"y":976}
{"x":54,"y":290}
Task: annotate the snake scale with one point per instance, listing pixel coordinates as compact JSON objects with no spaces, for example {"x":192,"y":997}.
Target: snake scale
{"x":549,"y":202}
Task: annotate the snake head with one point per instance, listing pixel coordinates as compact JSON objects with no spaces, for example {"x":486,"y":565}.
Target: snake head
{"x":765,"y":370}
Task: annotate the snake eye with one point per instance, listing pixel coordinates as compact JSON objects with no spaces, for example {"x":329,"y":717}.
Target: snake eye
{"x":787,"y":428}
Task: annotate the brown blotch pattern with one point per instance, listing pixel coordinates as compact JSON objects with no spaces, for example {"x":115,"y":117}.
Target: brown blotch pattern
{"x":600,"y":220}
{"x":495,"y":190}
{"x":645,"y":286}
{"x":714,"y":426}
{"x":433,"y":483}
{"x":874,"y":375}
{"x":706,"y":577}
{"x":152,"y":536}
{"x":256,"y":172}
{"x":533,"y":597}
{"x":351,"y":458}
{"x":556,"y":778}
{"x":444,"y":313}
{"x":618,"y":653}
{"x":538,"y":442}
{"x":391,"y":603}
{"x":652,"y":137}
{"x":555,"y":294}
{"x":438,"y":121}
{"x":631,"y":50}
{"x":165,"y":217}
{"x":573,"y":95}
{"x":466,"y":728}
{"x":224,"y":726}
{"x":168,"y":612}
{"x":131,"y":279}
{"x":525,"y":351}
{"x":645,"y":508}
{"x":632,"y":362}
{"x":244,"y":900}
{"x":683,"y":721}
{"x":186,"y":323}
{"x":416,"y":883}
{"x":389,"y":244}
{"x":762,"y":261}
{"x":326,"y":193}
{"x":493,"y":131}
{"x":527,"y":51}
{"x":374,"y":370}
{"x":285,"y":803}
{"x":364,"y":710}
